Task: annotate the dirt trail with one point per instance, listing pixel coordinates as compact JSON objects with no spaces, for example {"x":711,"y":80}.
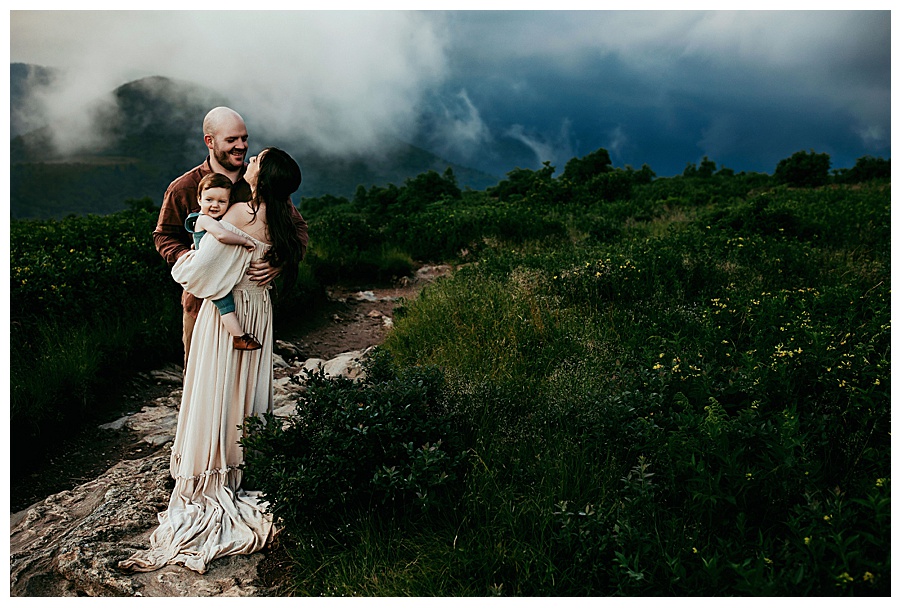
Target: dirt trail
{"x":353,"y":319}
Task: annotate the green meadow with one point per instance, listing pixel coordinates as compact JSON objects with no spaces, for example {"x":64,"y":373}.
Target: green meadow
{"x":630,"y":385}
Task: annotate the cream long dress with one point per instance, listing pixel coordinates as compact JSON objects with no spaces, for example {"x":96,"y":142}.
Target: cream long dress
{"x":209,"y":515}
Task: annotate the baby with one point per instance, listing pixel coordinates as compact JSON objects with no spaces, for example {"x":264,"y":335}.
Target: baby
{"x":213,"y":193}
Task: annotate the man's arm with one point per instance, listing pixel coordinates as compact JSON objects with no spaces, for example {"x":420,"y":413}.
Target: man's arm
{"x":170,"y":236}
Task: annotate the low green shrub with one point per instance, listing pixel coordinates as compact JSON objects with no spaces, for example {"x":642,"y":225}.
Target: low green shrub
{"x":384,"y":445}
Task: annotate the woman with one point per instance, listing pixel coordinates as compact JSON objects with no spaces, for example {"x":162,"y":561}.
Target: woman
{"x":209,"y":515}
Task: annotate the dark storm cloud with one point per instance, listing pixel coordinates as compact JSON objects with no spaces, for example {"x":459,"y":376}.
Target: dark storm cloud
{"x":746,"y":89}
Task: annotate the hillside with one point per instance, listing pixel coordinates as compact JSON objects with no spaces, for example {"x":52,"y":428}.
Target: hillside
{"x":152,"y":136}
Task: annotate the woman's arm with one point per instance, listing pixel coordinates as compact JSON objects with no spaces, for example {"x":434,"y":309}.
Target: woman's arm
{"x":223,"y":235}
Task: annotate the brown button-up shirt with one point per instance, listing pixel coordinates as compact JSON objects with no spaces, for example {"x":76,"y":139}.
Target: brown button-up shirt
{"x":170,"y":236}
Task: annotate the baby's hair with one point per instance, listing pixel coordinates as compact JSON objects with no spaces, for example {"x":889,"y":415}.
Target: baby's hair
{"x":213,"y":180}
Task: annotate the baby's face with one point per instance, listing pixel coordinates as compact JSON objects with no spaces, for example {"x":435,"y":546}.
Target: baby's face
{"x":214,"y":202}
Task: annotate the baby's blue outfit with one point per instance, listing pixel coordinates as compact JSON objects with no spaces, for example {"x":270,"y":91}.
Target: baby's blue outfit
{"x":226,"y":304}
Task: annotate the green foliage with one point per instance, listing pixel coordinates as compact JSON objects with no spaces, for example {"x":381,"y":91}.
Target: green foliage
{"x":522,"y":182}
{"x":587,"y":167}
{"x":866,"y":169}
{"x":803,"y":169}
{"x":697,"y":409}
{"x":90,"y":301}
{"x":706,"y":169}
{"x":675,"y":386}
{"x":427,"y":188}
{"x":383,"y":445}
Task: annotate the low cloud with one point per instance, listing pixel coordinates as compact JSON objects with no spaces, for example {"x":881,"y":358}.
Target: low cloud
{"x":339,"y":81}
{"x":557,"y":148}
{"x":455,"y":127}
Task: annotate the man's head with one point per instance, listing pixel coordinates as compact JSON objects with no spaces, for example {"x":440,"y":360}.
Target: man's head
{"x":225,"y":135}
{"x":213,"y":194}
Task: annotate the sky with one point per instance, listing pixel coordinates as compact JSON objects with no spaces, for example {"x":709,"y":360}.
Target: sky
{"x":498,"y":89}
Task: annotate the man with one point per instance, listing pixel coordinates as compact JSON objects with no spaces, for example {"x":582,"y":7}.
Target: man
{"x":225,"y":135}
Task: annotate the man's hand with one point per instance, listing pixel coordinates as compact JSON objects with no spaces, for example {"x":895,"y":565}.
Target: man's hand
{"x":262,"y":272}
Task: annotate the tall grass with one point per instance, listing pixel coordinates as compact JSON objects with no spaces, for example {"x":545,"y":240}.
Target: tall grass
{"x":698,"y":405}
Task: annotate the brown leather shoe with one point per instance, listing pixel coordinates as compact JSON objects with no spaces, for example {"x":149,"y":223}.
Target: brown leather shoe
{"x":248,"y":342}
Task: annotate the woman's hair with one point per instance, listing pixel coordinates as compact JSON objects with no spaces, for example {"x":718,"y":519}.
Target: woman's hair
{"x":213,"y":180}
{"x":279,"y":176}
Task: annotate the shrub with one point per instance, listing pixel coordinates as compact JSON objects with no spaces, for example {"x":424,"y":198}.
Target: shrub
{"x":867,"y":168}
{"x":591,"y":165}
{"x":803,"y":169}
{"x":384,"y":445}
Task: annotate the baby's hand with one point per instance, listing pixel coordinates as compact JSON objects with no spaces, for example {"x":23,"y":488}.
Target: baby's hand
{"x":249,"y":246}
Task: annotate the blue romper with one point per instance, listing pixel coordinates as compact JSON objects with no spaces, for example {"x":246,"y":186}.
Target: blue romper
{"x":226,"y":304}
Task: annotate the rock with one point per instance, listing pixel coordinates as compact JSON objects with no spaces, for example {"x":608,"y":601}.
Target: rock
{"x":70,"y":543}
{"x":286,"y":391}
{"x":278,"y":361}
{"x":313,"y":364}
{"x":172,"y":374}
{"x":388,"y":322}
{"x":348,"y":365}
{"x":159,"y":439}
{"x":374,"y":314}
{"x":285,"y":411}
{"x":154,"y":420}
{"x":286,"y":349}
{"x":117,"y":424}
{"x":430,"y":273}
{"x":366,"y":296}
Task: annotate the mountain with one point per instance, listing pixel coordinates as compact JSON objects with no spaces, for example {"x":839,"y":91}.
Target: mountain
{"x":149,"y":135}
{"x":22,"y":78}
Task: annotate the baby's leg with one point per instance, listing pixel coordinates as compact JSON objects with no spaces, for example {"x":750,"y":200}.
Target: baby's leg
{"x":226,"y":306}
{"x":241,"y":340}
{"x":232,"y":325}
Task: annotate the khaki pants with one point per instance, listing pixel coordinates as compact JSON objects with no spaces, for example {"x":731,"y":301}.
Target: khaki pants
{"x":188,"y":321}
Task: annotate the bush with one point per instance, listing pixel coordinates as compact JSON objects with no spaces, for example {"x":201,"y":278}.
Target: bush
{"x":803,"y":170}
{"x":385,"y":445}
{"x":90,"y":301}
{"x":866,"y":169}
{"x":704,"y":411}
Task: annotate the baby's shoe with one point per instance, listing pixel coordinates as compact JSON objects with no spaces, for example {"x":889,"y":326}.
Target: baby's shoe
{"x":248,"y":342}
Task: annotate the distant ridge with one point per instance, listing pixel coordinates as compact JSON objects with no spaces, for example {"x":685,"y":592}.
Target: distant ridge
{"x":151,"y":136}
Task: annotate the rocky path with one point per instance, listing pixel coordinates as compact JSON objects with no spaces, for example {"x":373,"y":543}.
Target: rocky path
{"x":68,"y":544}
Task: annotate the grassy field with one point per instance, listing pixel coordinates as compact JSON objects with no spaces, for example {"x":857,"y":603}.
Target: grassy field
{"x":695,"y":403}
{"x":629,"y":387}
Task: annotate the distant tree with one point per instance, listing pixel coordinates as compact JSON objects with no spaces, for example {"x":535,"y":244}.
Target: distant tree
{"x":706,"y":169}
{"x":313,"y":205}
{"x":582,"y":170}
{"x":378,"y":200}
{"x":867,"y":168}
{"x":615,"y":185}
{"x":725,"y":172}
{"x":645,"y":175}
{"x":522,"y":182}
{"x":142,"y":204}
{"x":803,"y":169}
{"x":360,"y":197}
{"x":427,"y":188}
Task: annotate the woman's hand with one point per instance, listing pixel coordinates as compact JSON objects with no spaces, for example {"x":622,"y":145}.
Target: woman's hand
{"x":262,"y":272}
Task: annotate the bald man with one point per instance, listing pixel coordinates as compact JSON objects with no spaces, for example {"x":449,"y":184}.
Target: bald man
{"x":225,"y":136}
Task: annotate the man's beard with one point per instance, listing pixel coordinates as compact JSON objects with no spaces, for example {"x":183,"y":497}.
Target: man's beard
{"x":225,"y":159}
